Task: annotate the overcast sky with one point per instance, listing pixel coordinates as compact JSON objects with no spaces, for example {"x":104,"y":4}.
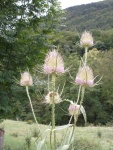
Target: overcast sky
{"x":69,"y":3}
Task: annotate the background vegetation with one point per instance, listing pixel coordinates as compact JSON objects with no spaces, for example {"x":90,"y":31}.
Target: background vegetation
{"x":28,"y":30}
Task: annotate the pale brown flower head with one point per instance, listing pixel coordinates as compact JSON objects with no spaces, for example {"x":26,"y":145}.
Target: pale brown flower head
{"x":85,"y":76}
{"x":86,"y":39}
{"x":53,"y":63}
{"x":53,"y":96}
{"x":26,"y":79}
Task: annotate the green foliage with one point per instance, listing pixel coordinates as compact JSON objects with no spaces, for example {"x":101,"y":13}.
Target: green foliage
{"x":91,"y":16}
{"x":26,"y":32}
{"x":24,"y":42}
{"x":98,"y":100}
{"x":69,"y":43}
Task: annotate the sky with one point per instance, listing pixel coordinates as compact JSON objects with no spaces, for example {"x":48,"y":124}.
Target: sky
{"x":69,"y":3}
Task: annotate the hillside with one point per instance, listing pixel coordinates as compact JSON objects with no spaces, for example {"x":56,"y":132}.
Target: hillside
{"x":97,"y":15}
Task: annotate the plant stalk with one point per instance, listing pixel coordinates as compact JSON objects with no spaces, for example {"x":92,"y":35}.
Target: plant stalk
{"x":76,"y":116}
{"x":86,"y":49}
{"x":53,"y":112}
{"x":31,"y":104}
{"x":32,"y":108}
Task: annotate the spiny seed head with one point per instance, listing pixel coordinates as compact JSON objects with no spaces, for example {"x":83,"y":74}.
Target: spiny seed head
{"x":53,"y":63}
{"x":52,"y":97}
{"x":85,"y":76}
{"x":86,"y":39}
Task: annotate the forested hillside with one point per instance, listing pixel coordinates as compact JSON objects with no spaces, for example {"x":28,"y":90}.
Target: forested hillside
{"x":90,"y":16}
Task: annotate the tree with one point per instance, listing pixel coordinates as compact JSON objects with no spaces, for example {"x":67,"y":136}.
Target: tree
{"x":101,"y":97}
{"x":26,"y":29}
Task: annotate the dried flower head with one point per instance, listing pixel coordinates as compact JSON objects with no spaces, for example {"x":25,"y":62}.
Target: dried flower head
{"x":26,"y":79}
{"x":54,"y":63}
{"x":85,"y":76}
{"x":73,"y":109}
{"x":86,"y":39}
{"x":52,"y":96}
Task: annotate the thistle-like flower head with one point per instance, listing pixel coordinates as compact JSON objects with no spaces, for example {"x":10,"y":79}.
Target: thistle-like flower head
{"x":53,"y":63}
{"x":85,"y":76}
{"x":86,"y":39}
{"x":52,"y":96}
{"x":26,"y":79}
{"x":73,"y":109}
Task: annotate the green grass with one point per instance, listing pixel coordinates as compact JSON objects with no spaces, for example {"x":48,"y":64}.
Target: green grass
{"x":102,"y":137}
{"x":16,"y":133}
{"x":87,"y":138}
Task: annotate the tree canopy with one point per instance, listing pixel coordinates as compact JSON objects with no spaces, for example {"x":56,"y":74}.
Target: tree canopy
{"x":26,"y":30}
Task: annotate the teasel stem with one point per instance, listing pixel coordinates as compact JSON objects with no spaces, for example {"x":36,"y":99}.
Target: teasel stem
{"x":53,"y":113}
{"x":78,"y":94}
{"x":86,"y":49}
{"x":76,"y":116}
{"x":27,"y":90}
{"x":81,"y":102}
{"x":31,"y":104}
{"x":40,"y":135}
{"x":51,"y":139}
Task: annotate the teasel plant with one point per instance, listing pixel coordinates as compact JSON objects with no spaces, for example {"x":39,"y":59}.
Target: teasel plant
{"x":54,"y":66}
{"x":83,"y":78}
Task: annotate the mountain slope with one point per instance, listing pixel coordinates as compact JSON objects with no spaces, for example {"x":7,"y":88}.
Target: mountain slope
{"x":90,"y":16}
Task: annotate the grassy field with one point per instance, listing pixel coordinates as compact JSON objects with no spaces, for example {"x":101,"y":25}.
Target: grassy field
{"x":20,"y":135}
